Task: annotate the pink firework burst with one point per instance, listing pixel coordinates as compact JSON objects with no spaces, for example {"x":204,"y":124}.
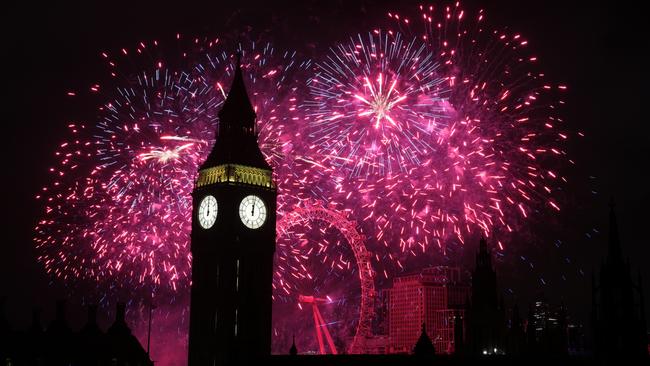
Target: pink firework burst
{"x":118,"y":209}
{"x":451,"y":133}
{"x":116,"y":220}
{"x":376,"y":101}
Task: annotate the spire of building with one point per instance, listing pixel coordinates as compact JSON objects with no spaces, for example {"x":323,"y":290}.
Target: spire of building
{"x":483,"y":258}
{"x":60,"y":323}
{"x":237,"y":114}
{"x":59,"y":336}
{"x":36,"y":326}
{"x":121,"y":344}
{"x":424,"y":346}
{"x":293,"y":350}
{"x":91,"y":320}
{"x":236,"y":138}
{"x":616,"y":314}
{"x":92,"y":341}
{"x":486,"y":318}
{"x":119,"y":326}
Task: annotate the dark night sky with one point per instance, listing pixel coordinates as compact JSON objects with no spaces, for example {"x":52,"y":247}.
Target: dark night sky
{"x":594,"y":47}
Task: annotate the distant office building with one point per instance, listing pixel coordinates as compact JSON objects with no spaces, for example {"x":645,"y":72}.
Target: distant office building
{"x":575,"y":338}
{"x":434,"y":297}
{"x":541,"y":314}
{"x":547,"y":329}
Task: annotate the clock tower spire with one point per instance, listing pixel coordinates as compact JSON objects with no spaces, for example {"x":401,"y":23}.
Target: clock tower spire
{"x":237,"y":137}
{"x":233,"y":242}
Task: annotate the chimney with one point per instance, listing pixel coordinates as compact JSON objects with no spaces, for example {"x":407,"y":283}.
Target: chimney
{"x":120,"y":313}
{"x":60,"y":311}
{"x":36,"y":320}
{"x":92,"y":314}
{"x":293,"y":351}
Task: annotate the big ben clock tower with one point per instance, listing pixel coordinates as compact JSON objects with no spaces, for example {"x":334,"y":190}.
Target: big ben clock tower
{"x":233,"y":242}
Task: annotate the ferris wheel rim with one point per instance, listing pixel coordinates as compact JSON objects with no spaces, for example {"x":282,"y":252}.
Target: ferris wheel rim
{"x":315,"y":210}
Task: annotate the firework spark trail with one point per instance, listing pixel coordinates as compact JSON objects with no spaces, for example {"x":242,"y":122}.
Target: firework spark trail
{"x":119,"y":208}
{"x":436,"y":137}
{"x":377,"y":100}
{"x":121,"y":220}
{"x":140,"y":159}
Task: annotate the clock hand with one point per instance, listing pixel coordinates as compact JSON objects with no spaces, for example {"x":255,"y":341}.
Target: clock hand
{"x":253,"y":210}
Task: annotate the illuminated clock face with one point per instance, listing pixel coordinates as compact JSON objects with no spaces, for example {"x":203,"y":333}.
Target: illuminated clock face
{"x":208,"y":212}
{"x":252,"y":211}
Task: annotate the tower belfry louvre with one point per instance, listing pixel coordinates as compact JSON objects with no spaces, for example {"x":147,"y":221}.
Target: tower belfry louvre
{"x":233,"y":242}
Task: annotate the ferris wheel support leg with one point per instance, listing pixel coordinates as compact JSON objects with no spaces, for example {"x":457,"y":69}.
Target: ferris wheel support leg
{"x":326,"y":331}
{"x":317,"y":326}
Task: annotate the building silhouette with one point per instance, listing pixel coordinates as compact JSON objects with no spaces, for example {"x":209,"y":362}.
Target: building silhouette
{"x":233,"y":242}
{"x":59,"y":338}
{"x":618,"y":312}
{"x":59,"y":345}
{"x":486,"y":315}
{"x":433,"y":298}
